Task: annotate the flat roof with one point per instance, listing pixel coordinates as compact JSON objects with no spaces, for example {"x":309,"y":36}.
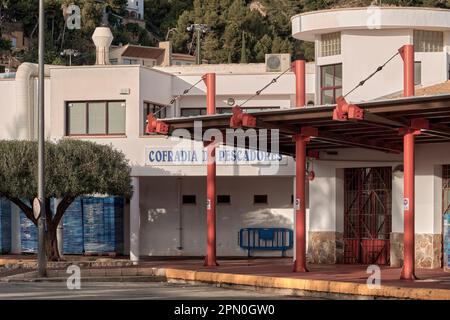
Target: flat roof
{"x":379,"y":130}
{"x":306,"y":26}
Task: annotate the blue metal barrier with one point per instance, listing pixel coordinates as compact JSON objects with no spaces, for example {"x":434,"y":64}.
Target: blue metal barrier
{"x":266,"y":239}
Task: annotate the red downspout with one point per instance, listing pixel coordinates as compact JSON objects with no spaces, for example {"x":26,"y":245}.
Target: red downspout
{"x":300,"y":173}
{"x":407,"y":53}
{"x":210,"y":259}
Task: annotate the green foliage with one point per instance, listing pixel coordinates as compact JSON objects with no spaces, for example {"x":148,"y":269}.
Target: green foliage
{"x":266,"y":24}
{"x":73,"y":168}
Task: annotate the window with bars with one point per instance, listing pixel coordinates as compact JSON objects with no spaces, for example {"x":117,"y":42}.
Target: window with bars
{"x":428,"y":41}
{"x":95,"y":118}
{"x":330,"y":44}
{"x":159,"y":111}
{"x":330,"y":83}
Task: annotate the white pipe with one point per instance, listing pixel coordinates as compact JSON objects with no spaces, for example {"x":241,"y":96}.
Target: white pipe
{"x":135,"y":222}
{"x":180,"y":214}
{"x":24,"y":117}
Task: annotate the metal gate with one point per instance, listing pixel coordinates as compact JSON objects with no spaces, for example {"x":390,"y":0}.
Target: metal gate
{"x":446,"y":214}
{"x":367,"y":215}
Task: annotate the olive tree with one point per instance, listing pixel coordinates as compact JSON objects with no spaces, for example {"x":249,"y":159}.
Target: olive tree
{"x":73,"y":168}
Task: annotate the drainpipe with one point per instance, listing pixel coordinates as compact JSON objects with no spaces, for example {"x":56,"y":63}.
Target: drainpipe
{"x":24,"y":118}
{"x":180,"y":215}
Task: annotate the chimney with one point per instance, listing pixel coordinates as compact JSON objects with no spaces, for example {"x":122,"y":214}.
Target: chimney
{"x":102,"y":38}
{"x":167,"y":46}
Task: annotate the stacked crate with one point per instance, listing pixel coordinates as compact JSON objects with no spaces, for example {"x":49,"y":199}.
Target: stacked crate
{"x":29,"y":234}
{"x":5,"y":226}
{"x":73,"y":228}
{"x":103,"y":225}
{"x":92,"y":225}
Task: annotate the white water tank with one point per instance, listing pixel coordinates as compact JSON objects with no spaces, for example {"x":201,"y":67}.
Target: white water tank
{"x":102,"y":38}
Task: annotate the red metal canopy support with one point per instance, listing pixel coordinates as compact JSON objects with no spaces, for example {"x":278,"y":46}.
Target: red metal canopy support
{"x":300,"y":172}
{"x":210,"y":259}
{"x":407,"y":53}
{"x":156,"y":126}
{"x":300,"y":80}
{"x":300,"y":197}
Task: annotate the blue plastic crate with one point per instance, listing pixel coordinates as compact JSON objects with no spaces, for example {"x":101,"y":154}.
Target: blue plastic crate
{"x":73,"y":239}
{"x":28,"y":234}
{"x":5,"y":226}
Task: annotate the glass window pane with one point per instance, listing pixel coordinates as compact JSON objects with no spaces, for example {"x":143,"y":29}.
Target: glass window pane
{"x":417,"y":72}
{"x":338,"y":93}
{"x":77,"y":118}
{"x":327,"y":97}
{"x":97,"y":118}
{"x":327,"y":76}
{"x":338,"y":75}
{"x":116,"y":117}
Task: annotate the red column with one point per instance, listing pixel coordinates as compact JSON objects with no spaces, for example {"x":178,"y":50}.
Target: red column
{"x":300,"y":203}
{"x":407,"y":53}
{"x":300,"y":92}
{"x":298,"y":67}
{"x":408,"y":207}
{"x":210,"y":259}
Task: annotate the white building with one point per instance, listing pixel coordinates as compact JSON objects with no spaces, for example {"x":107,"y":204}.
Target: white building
{"x":135,"y":9}
{"x":167,"y":214}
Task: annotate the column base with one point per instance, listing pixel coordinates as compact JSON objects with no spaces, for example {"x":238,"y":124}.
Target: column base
{"x":210,"y":263}
{"x":411,"y":277}
{"x":428,"y":250}
{"x":298,"y":268}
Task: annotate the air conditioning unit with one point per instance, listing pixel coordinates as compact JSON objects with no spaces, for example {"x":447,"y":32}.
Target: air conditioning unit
{"x":278,"y":62}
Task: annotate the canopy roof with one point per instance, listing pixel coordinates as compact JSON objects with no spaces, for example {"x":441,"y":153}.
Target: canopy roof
{"x":378,"y":129}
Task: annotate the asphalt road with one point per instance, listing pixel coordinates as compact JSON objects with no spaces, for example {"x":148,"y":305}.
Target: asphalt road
{"x":128,"y":291}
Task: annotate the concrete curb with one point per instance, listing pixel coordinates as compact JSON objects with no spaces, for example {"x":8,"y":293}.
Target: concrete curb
{"x":151,"y":274}
{"x":332,"y":287}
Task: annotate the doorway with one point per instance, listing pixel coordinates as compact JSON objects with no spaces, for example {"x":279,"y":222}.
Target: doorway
{"x":367,"y":215}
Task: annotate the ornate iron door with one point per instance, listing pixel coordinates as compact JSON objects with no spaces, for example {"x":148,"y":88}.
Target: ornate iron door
{"x":367,"y":215}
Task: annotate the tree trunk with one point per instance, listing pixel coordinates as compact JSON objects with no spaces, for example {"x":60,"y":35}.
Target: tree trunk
{"x":51,"y":243}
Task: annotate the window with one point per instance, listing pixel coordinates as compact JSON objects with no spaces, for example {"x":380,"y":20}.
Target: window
{"x":190,"y":112}
{"x":159,"y":111}
{"x":428,"y":41}
{"x":130,"y":61}
{"x":260,"y":199}
{"x":224,"y":199}
{"x":189,"y":199}
{"x":224,"y":110}
{"x":330,"y":83}
{"x":330,"y":44}
{"x":417,"y":73}
{"x":96,"y":118}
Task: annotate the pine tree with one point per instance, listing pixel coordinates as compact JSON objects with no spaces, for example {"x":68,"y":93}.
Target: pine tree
{"x":243,"y":49}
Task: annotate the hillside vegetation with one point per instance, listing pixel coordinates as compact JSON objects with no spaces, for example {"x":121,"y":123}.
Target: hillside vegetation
{"x":239,"y":30}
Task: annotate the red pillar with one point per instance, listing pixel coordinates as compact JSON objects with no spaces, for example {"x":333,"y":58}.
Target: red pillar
{"x":300,"y":92}
{"x":210,"y":259}
{"x":300,"y":173}
{"x":300,"y":203}
{"x":407,"y":53}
